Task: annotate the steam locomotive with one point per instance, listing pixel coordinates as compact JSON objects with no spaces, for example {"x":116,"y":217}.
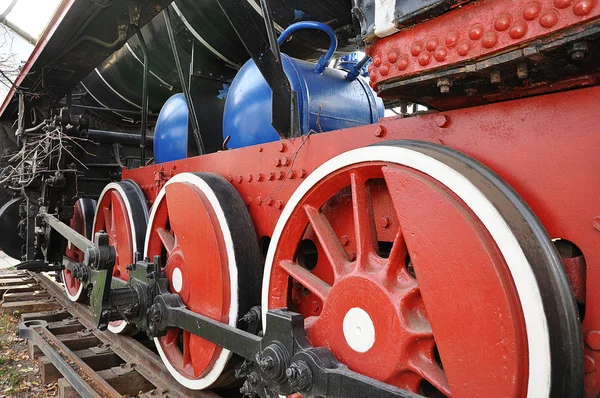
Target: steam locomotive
{"x":321,"y":199}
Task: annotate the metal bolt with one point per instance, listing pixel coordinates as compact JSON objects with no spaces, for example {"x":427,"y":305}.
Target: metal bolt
{"x":277,"y":162}
{"x":279,"y":204}
{"x":248,"y":200}
{"x":444,"y":84}
{"x":379,"y":131}
{"x":596,"y":223}
{"x":442,"y":120}
{"x":280,"y":175}
{"x":259,"y":176}
{"x":260,"y":149}
{"x":281,"y":147}
{"x":259,"y":200}
{"x":578,"y":50}
{"x":239,"y":179}
{"x":470,"y":92}
{"x":302,"y":173}
{"x":593,"y":340}
{"x":271,"y":176}
{"x":293,"y":174}
{"x":522,"y":71}
{"x":345,"y":240}
{"x":385,"y":222}
{"x":269,"y":200}
{"x":299,"y":376}
{"x":315,"y":306}
{"x":249,"y":177}
{"x":266,"y":364}
{"x":589,"y":364}
{"x":284,"y":161}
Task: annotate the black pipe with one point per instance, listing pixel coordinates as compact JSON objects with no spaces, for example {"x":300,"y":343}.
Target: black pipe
{"x":144,"y":96}
{"x":184,"y":86}
{"x":100,"y":108}
{"x":120,"y":138}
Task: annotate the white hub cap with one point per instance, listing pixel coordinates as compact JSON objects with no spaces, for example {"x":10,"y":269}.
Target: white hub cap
{"x":177,"y":280}
{"x":359,"y":330}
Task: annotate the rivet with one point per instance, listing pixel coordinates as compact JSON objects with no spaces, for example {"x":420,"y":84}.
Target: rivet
{"x":596,"y":223}
{"x":269,"y":201}
{"x":432,"y":44}
{"x":416,"y":48}
{"x":452,"y":39}
{"x":271,"y":176}
{"x":248,"y":200}
{"x":393,"y":56}
{"x":384,"y":69}
{"x":285,"y":161}
{"x":377,"y":61}
{"x":260,"y":149}
{"x":593,"y":340}
{"x":589,"y":364}
{"x":281,"y":147}
{"x":549,"y":18}
{"x":470,"y":91}
{"x":249,"y":177}
{"x":385,"y":222}
{"x":583,"y":7}
{"x":495,"y":77}
{"x":531,"y":11}
{"x":518,"y":30}
{"x":293,"y":174}
{"x":562,"y":3}
{"x":239,"y":179}
{"x":279,"y":204}
{"x":424,"y":58}
{"x":230,"y":178}
{"x":442,"y":120}
{"x":259,"y":200}
{"x":476,"y":32}
{"x":352,"y":256}
{"x":345,"y":240}
{"x":522,"y":71}
{"x":277,"y":162}
{"x":463,"y":48}
{"x":440,"y":54}
{"x":490,"y":39}
{"x":302,"y":173}
{"x":379,"y":131}
{"x":402,"y":63}
{"x":502,"y":22}
{"x":260,"y":176}
{"x":280,"y":175}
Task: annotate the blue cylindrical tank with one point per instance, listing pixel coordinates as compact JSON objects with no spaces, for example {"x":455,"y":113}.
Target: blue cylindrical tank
{"x":327,"y":101}
{"x":171,"y":131}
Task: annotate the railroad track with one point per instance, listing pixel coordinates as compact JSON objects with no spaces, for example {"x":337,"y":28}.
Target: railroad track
{"x":83,"y":360}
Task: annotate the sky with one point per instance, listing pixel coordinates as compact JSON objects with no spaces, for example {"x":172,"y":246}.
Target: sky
{"x":30,"y":15}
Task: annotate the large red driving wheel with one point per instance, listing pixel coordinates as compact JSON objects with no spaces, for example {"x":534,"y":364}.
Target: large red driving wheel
{"x":201,"y":228}
{"x":122,"y":212}
{"x":81,"y":222}
{"x":417,"y":266}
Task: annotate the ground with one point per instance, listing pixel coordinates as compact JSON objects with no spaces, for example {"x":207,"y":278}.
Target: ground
{"x":19,"y":376}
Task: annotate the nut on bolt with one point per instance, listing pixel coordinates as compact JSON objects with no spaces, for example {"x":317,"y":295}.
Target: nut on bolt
{"x":299,"y":376}
{"x":578,"y":50}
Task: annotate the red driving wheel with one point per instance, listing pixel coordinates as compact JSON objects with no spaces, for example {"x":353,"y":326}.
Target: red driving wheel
{"x":123,"y":213}
{"x":415,"y":268}
{"x":202,"y":231}
{"x":82,"y":220}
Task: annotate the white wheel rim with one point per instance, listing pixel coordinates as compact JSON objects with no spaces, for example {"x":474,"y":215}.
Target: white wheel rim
{"x":210,"y":377}
{"x":524,"y":279}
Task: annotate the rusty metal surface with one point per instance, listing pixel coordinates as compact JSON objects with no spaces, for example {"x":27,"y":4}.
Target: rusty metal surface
{"x":147,"y":363}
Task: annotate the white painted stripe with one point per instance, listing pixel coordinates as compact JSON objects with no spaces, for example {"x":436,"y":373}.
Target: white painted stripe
{"x":164,"y":83}
{"x":128,"y":119}
{"x":538,"y":335}
{"x":200,"y":39}
{"x":115,"y":91}
{"x":384,"y":18}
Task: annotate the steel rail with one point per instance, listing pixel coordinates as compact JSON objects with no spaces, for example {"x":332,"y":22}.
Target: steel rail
{"x":148,"y":364}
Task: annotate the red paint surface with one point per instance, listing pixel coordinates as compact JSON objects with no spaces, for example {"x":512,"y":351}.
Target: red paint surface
{"x":545,"y":147}
{"x":478,"y":29}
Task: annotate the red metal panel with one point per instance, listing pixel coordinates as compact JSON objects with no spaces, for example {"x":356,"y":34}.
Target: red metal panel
{"x":475,"y":30}
{"x":545,"y":147}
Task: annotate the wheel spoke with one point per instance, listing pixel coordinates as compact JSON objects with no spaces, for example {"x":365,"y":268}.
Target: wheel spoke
{"x":307,"y":279}
{"x":172,"y":336}
{"x":430,"y":371}
{"x":107,"y":218}
{"x":396,"y":262}
{"x":331,"y":245}
{"x":167,"y":239}
{"x":187,"y":353}
{"x":364,"y":221}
